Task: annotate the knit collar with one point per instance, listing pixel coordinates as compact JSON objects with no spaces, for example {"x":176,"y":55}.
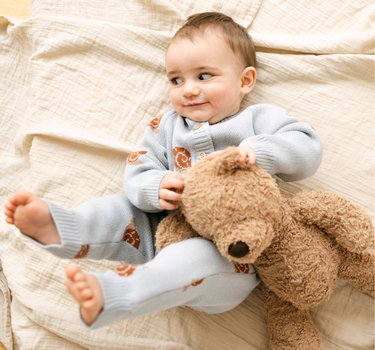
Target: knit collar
{"x":192,"y":123}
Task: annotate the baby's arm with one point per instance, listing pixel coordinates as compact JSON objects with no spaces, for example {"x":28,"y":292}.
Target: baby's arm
{"x":148,"y":180}
{"x":283,"y":145}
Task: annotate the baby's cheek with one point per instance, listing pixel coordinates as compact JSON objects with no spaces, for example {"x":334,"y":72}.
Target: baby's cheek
{"x":175,"y":100}
{"x":224,"y":98}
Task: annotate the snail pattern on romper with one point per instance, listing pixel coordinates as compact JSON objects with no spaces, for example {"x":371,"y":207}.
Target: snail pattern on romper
{"x":154,"y":123}
{"x":134,"y":158}
{"x":241,"y":268}
{"x":125,"y":270}
{"x":83,"y":252}
{"x":131,"y":235}
{"x":182,"y":160}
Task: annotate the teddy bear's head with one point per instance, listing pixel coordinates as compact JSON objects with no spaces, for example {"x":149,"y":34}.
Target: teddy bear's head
{"x":235,"y":205}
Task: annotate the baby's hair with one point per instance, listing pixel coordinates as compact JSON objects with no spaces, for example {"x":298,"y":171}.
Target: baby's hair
{"x":233,"y":33}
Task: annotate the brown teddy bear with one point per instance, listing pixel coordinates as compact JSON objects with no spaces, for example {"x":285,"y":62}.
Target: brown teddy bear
{"x":299,"y":245}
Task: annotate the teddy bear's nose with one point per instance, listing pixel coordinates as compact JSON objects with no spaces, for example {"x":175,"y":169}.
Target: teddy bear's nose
{"x":238,"y":250}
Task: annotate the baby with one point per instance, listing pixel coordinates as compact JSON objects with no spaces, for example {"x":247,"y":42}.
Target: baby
{"x":210,"y":64}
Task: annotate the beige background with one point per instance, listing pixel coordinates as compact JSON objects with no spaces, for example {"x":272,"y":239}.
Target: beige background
{"x":18,"y":9}
{"x":315,"y":60}
{"x":15,"y":8}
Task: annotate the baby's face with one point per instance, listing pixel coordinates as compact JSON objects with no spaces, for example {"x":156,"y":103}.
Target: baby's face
{"x":205,"y":78}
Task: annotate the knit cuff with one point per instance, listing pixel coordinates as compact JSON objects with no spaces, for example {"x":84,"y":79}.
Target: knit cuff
{"x":263,"y":150}
{"x":68,"y":231}
{"x":151,"y":189}
{"x":115,"y":303}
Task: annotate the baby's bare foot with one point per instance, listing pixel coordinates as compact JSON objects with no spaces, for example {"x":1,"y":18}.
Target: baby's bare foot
{"x":31,"y":216}
{"x":85,"y":288}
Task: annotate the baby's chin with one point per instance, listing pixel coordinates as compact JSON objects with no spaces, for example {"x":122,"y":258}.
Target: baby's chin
{"x":201,"y":117}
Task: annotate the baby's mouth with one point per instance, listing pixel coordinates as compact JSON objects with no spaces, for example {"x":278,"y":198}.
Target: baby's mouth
{"x":195,"y":104}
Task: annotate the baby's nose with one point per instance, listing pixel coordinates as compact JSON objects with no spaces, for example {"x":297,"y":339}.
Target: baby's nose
{"x":191,"y":90}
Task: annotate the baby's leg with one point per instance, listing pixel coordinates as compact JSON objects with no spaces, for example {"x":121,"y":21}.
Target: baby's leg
{"x":105,"y":228}
{"x":190,"y":273}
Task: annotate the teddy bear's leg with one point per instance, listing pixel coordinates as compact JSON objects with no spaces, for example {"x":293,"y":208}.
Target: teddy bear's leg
{"x":347,"y":222}
{"x":290,"y":328}
{"x":358,"y":270}
{"x":172,"y":229}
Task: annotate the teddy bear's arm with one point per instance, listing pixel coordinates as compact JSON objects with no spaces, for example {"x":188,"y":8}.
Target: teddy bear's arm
{"x":348,"y":223}
{"x":172,"y":229}
{"x":286,"y":324}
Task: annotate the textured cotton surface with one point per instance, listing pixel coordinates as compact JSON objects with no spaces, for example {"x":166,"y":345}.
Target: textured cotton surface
{"x":80,"y":80}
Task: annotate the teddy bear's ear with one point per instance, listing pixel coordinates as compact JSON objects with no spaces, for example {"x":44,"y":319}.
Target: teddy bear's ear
{"x":227,"y":162}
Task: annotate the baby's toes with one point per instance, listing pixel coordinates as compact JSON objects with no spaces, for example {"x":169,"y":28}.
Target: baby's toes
{"x":10,"y":206}
{"x":74,"y":273}
{"x":9,"y":219}
{"x":12,"y":200}
{"x":9,"y":213}
{"x":87,"y":294}
{"x":79,"y":277}
{"x":22,"y":197}
{"x":74,"y":291}
{"x":91,"y":305}
{"x":82,"y":285}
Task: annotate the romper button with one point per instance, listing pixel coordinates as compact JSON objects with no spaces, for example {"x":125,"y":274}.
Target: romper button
{"x":197,"y":126}
{"x":202,"y":155}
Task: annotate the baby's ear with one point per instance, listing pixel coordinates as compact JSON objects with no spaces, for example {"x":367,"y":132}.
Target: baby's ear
{"x":248,"y":78}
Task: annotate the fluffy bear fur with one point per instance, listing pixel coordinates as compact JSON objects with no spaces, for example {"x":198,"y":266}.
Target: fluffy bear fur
{"x":299,"y":245}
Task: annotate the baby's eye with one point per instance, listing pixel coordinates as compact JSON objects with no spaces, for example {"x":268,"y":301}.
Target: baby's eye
{"x":204,"y":76}
{"x":176,"y":81}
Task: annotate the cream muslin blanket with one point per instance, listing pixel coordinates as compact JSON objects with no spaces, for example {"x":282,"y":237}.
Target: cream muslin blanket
{"x":81,"y":79}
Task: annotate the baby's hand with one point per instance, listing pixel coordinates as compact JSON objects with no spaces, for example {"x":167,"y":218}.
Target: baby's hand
{"x":245,"y":152}
{"x":170,"y":181}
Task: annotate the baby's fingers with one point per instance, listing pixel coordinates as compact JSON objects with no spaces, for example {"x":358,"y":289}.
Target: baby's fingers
{"x":167,"y":205}
{"x":165,"y":198}
{"x":169,"y":195}
{"x":172,"y":180}
{"x":174,"y":183}
{"x":246,"y":152}
{"x":213,"y":155}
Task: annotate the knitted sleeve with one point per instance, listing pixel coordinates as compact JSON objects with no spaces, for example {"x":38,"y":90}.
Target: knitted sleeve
{"x":146,"y":168}
{"x":284,"y":146}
